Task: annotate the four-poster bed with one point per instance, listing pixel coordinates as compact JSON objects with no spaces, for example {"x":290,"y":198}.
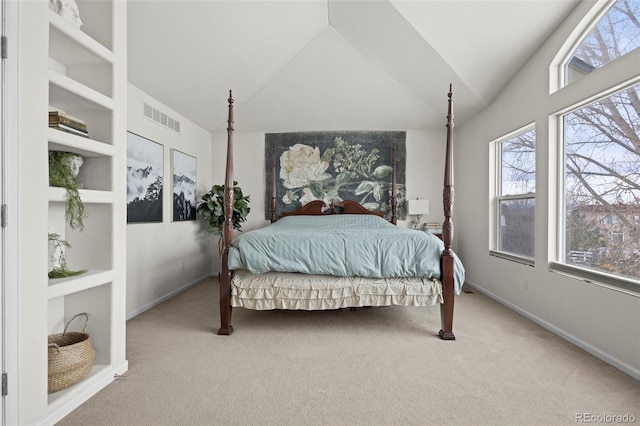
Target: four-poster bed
{"x":330,"y":257}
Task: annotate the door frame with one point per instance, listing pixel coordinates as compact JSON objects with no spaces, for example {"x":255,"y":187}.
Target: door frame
{"x":9,"y":299}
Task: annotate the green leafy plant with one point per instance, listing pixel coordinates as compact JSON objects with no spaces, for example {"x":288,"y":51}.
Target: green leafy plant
{"x":62,"y":271}
{"x":62,"y":174}
{"x":211,"y":208}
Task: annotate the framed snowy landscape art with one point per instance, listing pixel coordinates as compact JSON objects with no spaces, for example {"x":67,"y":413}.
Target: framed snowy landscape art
{"x":145,"y":166}
{"x":184,"y":186}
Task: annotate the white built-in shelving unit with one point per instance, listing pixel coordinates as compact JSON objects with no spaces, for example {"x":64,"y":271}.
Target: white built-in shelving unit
{"x":86,"y":72}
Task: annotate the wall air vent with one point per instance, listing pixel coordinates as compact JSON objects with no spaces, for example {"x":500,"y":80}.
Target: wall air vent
{"x":160,"y":117}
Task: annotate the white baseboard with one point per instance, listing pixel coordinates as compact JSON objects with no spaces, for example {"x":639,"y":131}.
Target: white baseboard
{"x":166,"y":297}
{"x":620,"y":365}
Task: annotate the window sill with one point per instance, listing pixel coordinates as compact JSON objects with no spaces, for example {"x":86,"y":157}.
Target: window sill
{"x":512,"y":257}
{"x":601,"y":279}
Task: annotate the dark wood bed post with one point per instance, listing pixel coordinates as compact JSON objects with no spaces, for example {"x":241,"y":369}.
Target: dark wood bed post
{"x":394,"y":195}
{"x":273,"y":184}
{"x":227,"y":233}
{"x":446,"y":309}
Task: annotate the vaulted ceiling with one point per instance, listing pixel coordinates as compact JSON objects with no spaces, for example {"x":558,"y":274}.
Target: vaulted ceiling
{"x":332,"y":64}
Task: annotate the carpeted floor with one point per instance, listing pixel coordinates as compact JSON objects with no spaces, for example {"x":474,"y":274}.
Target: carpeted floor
{"x":378,"y":366}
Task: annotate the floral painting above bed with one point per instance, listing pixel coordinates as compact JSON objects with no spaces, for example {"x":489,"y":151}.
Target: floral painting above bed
{"x":335,"y":166}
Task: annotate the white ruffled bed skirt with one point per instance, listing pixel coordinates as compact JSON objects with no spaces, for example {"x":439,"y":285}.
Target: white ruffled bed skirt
{"x":279,"y":290}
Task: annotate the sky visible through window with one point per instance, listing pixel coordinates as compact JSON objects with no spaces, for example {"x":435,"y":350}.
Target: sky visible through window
{"x":518,"y":159}
{"x":602,"y":184}
{"x":615,"y":35}
{"x":602,"y":150}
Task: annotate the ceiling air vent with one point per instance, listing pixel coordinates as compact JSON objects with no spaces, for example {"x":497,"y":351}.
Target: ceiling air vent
{"x":160,"y":117}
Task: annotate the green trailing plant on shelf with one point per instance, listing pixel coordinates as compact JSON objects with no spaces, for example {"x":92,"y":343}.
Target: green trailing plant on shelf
{"x":211,"y":208}
{"x":57,"y":258}
{"x":63,"y":173}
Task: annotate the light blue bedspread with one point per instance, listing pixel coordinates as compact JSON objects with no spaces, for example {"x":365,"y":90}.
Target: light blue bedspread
{"x":341,"y":244}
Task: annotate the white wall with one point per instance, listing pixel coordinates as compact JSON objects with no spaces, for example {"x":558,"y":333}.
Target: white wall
{"x":424,"y":148}
{"x":163,"y":258}
{"x":606,"y":322}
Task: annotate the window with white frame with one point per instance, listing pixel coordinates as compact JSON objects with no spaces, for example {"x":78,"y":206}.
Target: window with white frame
{"x":614,"y":35}
{"x":598,"y":231}
{"x":601,"y":191}
{"x":515,"y":194}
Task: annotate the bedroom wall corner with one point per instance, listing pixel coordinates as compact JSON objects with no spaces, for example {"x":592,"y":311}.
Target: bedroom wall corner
{"x":167,"y":257}
{"x":425,"y":171}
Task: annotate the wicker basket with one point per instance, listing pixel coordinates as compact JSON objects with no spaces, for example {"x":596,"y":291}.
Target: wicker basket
{"x":71,"y":357}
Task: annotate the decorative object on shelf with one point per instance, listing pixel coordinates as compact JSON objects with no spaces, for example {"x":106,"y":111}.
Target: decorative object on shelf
{"x":71,"y":356}
{"x":68,"y":10}
{"x":417,"y":208}
{"x":56,"y":251}
{"x":145,"y":165}
{"x":60,"y":120}
{"x":433,"y":228}
{"x":63,"y":172}
{"x":184,"y":186}
{"x":57,"y":258}
{"x":336,"y":166}
{"x":211,"y":208}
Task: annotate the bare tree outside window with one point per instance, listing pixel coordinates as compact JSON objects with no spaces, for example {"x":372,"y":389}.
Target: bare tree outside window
{"x":516,"y":194}
{"x":615,"y":35}
{"x":601,"y":143}
{"x":602,"y":184}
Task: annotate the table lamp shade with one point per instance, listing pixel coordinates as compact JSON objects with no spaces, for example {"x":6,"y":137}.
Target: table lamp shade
{"x":418,"y":207}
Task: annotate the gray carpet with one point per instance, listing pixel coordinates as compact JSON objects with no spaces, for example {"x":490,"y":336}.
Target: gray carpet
{"x":378,"y":366}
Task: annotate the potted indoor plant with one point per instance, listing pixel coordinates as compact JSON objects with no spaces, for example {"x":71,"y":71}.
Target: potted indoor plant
{"x":211,"y":208}
{"x":63,"y":172}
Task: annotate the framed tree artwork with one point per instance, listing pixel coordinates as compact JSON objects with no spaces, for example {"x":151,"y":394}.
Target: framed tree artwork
{"x":184,"y":186}
{"x":145,"y":166}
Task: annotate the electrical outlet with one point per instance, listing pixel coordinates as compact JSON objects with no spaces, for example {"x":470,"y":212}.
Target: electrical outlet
{"x":526,"y":284}
{"x":183,"y":265}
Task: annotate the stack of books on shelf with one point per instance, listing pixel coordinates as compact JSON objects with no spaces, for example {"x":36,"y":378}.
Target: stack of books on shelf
{"x":434,"y":228}
{"x":67,"y":123}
